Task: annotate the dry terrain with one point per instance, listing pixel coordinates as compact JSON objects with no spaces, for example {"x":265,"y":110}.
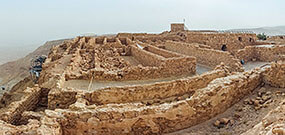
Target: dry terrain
{"x":175,"y":82}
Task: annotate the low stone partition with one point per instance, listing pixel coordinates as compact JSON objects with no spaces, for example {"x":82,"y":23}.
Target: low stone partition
{"x":162,"y":52}
{"x":146,"y":58}
{"x":205,"y":56}
{"x":46,"y":126}
{"x":61,"y":99}
{"x":12,"y":113}
{"x":153,"y":91}
{"x":137,"y":118}
{"x":267,"y":53}
{"x":276,"y":75}
{"x":171,"y":62}
{"x":64,"y":97}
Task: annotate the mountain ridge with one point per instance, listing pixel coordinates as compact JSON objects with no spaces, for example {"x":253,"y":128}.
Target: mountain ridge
{"x":268,"y":30}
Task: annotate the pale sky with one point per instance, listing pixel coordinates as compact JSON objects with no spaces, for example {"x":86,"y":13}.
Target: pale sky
{"x":32,"y":22}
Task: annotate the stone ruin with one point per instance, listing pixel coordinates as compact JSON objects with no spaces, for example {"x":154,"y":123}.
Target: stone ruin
{"x":144,"y":84}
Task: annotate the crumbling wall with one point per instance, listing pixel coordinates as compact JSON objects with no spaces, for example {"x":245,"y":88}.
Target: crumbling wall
{"x":144,"y":37}
{"x":61,"y":99}
{"x":161,"y":52}
{"x":266,"y":53}
{"x":46,"y":126}
{"x":246,"y":54}
{"x":137,"y":118}
{"x":205,"y":56}
{"x":175,"y":27}
{"x":155,"y":91}
{"x":146,"y":58}
{"x":276,"y":75}
{"x":279,"y":40}
{"x":103,"y":62}
{"x":12,"y":113}
{"x":233,"y":41}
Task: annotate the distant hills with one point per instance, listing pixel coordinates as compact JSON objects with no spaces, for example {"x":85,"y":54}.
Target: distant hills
{"x":270,"y":31}
{"x":14,"y":71}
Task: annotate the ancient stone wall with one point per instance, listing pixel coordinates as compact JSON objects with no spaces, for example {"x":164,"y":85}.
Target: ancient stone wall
{"x":46,"y":126}
{"x":279,"y":40}
{"x":161,"y":52}
{"x":267,"y":53}
{"x":175,"y":27}
{"x":12,"y":113}
{"x":233,"y":42}
{"x":276,"y":75}
{"x":137,"y":118}
{"x":152,"y":92}
{"x":105,"y":63}
{"x":147,"y":58}
{"x":173,"y":36}
{"x":205,"y":56}
{"x":62,"y":98}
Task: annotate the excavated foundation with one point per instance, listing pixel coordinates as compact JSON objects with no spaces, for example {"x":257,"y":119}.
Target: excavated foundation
{"x":139,"y":86}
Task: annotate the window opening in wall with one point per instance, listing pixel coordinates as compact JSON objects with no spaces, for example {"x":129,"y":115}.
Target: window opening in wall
{"x":240,"y":38}
{"x":250,"y":40}
{"x":281,"y":37}
{"x":224,"y":48}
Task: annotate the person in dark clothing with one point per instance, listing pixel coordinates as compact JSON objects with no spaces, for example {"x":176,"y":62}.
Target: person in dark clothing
{"x":242,"y":62}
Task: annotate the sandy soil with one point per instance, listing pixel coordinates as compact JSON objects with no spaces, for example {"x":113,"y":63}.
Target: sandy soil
{"x":84,"y":84}
{"x":200,"y":69}
{"x":242,"y":116}
{"x":251,"y":65}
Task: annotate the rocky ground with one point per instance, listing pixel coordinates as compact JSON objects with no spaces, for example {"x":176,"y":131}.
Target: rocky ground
{"x":238,"y":119}
{"x":242,"y":116}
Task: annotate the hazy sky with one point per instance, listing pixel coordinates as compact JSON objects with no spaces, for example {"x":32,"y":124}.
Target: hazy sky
{"x":32,"y":22}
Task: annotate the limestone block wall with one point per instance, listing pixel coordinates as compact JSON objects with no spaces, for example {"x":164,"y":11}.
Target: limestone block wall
{"x":170,"y":63}
{"x":136,"y":118}
{"x":177,"y":27}
{"x":271,"y":54}
{"x":276,"y":37}
{"x":173,"y":36}
{"x":260,"y":53}
{"x":205,"y":56}
{"x":280,"y":40}
{"x":233,"y":41}
{"x":161,"y":52}
{"x":28,"y":101}
{"x":276,"y":75}
{"x":246,"y":54}
{"x":151,"y":92}
{"x":62,"y":98}
{"x":146,"y":58}
{"x":46,"y":126}
{"x":105,"y":63}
